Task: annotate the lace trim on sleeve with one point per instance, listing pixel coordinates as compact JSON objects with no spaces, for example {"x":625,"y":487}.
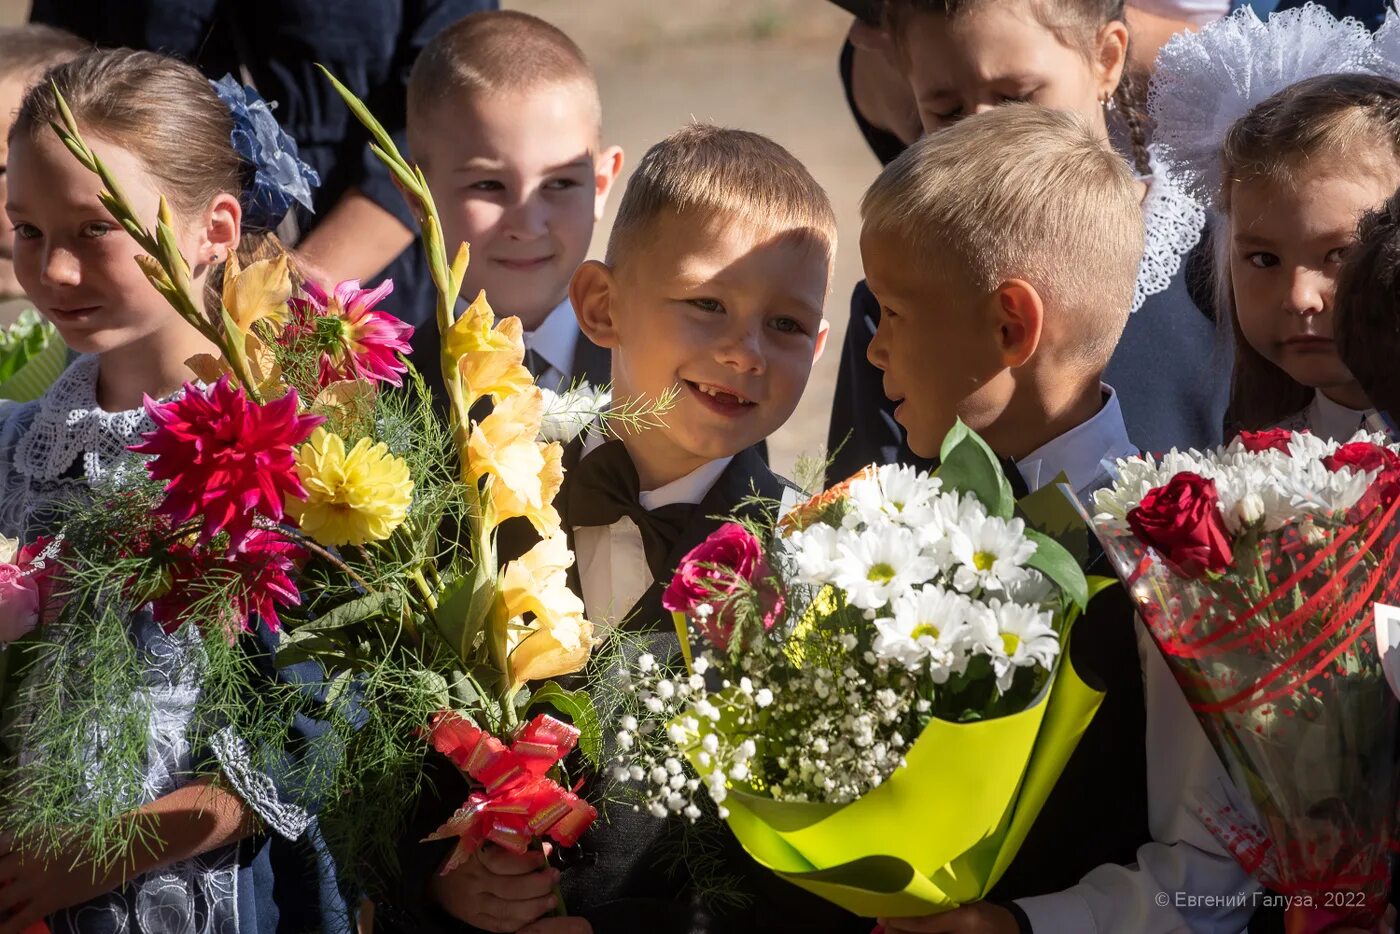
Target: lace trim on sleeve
{"x":257,"y":789}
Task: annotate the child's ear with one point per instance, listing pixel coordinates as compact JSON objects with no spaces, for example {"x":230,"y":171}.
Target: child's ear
{"x":222,"y":229}
{"x":823,"y":332}
{"x":606,"y":168}
{"x":1112,"y":57}
{"x":1020,"y":320}
{"x":591,"y":292}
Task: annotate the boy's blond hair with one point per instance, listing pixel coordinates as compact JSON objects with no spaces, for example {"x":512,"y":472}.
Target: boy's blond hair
{"x":30,"y":50}
{"x":494,"y":51}
{"x":702,"y":171}
{"x":1023,"y":192}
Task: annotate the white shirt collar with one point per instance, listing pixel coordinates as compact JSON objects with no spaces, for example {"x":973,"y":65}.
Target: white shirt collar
{"x":1328,"y":419}
{"x":692,"y":488}
{"x":556,"y":338}
{"x":1083,"y":454}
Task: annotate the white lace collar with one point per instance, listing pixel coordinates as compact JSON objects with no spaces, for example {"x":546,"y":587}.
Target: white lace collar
{"x":69,"y":424}
{"x":1174,"y":221}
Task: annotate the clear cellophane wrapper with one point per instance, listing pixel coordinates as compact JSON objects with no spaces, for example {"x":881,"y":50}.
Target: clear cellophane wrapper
{"x":1278,"y":661}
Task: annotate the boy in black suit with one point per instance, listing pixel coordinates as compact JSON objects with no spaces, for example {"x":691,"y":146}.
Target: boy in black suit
{"x":714,"y":284}
{"x":1003,"y":252}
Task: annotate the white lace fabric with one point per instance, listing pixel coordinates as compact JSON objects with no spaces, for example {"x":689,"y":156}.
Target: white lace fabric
{"x":41,"y":443}
{"x":1174,"y":221}
{"x":1205,"y":81}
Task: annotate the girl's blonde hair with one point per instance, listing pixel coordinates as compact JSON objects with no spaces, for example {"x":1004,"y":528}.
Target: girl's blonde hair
{"x":1324,"y":122}
{"x":162,"y":111}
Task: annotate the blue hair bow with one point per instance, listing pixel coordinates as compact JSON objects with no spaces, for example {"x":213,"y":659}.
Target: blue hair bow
{"x":279,"y":175}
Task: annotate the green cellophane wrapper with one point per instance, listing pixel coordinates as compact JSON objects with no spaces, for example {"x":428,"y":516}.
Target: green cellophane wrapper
{"x":943,"y":829}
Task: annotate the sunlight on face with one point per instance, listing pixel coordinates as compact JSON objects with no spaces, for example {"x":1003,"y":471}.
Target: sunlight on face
{"x":993,"y":54}
{"x":513,"y":174}
{"x":73,"y":260}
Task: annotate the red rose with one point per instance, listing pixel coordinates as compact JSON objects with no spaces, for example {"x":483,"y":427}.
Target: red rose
{"x":1182,"y":522}
{"x":1273,"y":439}
{"x":720,"y":567}
{"x":1365,"y":456}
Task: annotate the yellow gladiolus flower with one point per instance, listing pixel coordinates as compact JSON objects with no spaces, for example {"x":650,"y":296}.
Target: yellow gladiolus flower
{"x":504,"y":446}
{"x":478,"y":331}
{"x":260,"y":291}
{"x":351,"y":497}
{"x":559,"y":639}
{"x":497,"y":371}
{"x":506,"y":503}
{"x":262,"y":366}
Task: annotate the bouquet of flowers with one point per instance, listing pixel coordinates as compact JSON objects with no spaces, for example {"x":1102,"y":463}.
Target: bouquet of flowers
{"x":1256,"y":568}
{"x":293,"y":492}
{"x":880,"y":707}
{"x":31,"y":357}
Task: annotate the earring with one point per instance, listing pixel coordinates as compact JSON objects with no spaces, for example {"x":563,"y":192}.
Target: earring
{"x":1109,"y":103}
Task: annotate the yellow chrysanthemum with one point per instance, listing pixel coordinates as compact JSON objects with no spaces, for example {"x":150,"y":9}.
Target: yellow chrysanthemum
{"x":259,"y":292}
{"x":351,"y":498}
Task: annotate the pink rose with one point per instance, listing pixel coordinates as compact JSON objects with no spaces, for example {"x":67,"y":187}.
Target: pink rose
{"x":715,"y":572}
{"x":19,"y":603}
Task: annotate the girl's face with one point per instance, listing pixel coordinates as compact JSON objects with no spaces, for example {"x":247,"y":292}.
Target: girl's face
{"x":998,"y":52}
{"x":75,"y":262}
{"x":1287,"y":242}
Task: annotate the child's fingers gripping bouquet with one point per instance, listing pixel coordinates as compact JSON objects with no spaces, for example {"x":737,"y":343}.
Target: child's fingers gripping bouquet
{"x":1256,"y":566}
{"x":162,"y":130}
{"x":877,"y":704}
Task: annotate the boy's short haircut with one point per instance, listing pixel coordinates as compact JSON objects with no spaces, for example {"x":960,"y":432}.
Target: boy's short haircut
{"x":32,"y":49}
{"x":498,"y":50}
{"x":702,"y":171}
{"x":1368,"y":307}
{"x":1022,"y":192}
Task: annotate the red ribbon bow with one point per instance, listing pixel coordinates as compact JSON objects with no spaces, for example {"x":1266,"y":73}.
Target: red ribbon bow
{"x":517,"y":802}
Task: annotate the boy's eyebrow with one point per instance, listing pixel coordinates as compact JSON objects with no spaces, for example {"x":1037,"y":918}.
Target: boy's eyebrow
{"x":1014,"y":77}
{"x":484,"y":164}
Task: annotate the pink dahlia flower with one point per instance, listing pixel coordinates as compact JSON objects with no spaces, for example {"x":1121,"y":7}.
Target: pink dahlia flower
{"x":263,"y":564}
{"x":224,"y":458}
{"x":357,"y":341}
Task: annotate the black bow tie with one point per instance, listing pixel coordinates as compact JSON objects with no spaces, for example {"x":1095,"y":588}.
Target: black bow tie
{"x":604,"y":488}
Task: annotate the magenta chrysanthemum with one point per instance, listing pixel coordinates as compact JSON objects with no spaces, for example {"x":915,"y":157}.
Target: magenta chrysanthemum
{"x":225,"y":459}
{"x":357,"y":341}
{"x":263,"y":565}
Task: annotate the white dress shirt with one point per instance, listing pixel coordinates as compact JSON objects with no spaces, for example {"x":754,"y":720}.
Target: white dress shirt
{"x":1184,"y":862}
{"x":1328,"y":419}
{"x":612,"y":564}
{"x":555,"y":340}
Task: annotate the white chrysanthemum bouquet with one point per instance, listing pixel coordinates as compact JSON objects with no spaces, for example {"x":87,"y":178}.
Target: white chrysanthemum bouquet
{"x":854,"y":658}
{"x":1256,"y":568}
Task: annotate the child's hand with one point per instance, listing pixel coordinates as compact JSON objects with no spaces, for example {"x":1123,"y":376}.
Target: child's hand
{"x":32,"y":888}
{"x":497,"y":890}
{"x":981,"y":918}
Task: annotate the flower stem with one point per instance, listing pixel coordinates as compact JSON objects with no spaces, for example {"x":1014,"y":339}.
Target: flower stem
{"x":320,"y":552}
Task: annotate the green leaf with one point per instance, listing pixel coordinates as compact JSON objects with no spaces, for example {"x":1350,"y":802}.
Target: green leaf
{"x":967,"y":465}
{"x":387,"y":604}
{"x":578,"y":707}
{"x":1049,"y":511}
{"x":463,"y":697}
{"x":1056,"y":563}
{"x":432,"y":685}
{"x":462,"y":608}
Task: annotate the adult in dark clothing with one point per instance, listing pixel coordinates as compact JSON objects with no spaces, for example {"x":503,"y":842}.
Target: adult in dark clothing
{"x":360,"y":227}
